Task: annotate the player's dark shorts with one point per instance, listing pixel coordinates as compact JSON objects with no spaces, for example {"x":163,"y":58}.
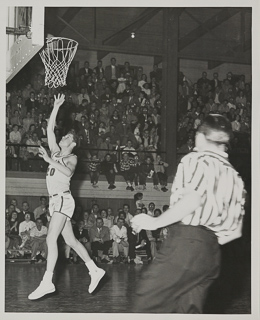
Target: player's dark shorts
{"x":62,"y":202}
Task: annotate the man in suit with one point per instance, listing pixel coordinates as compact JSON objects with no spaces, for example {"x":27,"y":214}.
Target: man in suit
{"x":99,"y":69}
{"x":86,"y":71}
{"x":20,"y":107}
{"x":215,"y":82}
{"x":42,"y":132}
{"x":25,"y":209}
{"x":112,"y":71}
{"x":100,"y":240}
{"x":131,"y":99}
{"x":31,"y":103}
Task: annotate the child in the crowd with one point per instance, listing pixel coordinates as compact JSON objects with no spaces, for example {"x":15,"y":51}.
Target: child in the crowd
{"x":93,"y":167}
{"x":138,"y":197}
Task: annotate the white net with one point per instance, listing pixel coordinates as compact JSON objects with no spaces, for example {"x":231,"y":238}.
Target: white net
{"x":56,"y":58}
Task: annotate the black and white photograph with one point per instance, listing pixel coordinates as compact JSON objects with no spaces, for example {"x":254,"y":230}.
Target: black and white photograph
{"x":129,"y":166}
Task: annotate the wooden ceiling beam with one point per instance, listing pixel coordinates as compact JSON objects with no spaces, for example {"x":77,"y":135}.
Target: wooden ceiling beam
{"x":238,"y":58}
{"x":72,"y":28}
{"x":117,"y":38}
{"x":67,"y":16}
{"x":204,"y":28}
{"x":102,"y":54}
{"x":214,"y":64}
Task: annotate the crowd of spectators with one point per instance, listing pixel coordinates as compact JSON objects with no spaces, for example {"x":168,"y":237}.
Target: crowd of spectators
{"x":115,"y":112}
{"x":230,"y":97}
{"x":107,"y":235}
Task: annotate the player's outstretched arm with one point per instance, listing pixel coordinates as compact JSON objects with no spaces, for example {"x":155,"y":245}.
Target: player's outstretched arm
{"x":51,"y":124}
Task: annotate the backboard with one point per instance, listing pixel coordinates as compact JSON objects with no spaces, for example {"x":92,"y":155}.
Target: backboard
{"x":24,"y":37}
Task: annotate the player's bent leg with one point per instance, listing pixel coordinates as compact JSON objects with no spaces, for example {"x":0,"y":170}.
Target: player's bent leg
{"x":95,"y":273}
{"x":46,"y":286}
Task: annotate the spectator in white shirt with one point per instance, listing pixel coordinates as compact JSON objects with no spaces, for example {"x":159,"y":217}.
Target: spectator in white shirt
{"x":118,"y":233}
{"x":38,"y":236}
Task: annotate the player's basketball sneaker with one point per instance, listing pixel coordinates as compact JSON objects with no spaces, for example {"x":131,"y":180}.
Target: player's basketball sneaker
{"x":95,"y":276}
{"x":43,"y":289}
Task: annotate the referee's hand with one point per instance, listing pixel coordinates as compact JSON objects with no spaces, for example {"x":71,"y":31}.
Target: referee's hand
{"x":143,"y":222}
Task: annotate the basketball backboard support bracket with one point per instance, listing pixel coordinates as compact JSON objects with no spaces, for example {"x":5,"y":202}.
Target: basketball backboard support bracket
{"x":21,"y":48}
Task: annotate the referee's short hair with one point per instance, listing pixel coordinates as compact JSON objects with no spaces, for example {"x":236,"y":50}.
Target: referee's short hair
{"x":216,"y":129}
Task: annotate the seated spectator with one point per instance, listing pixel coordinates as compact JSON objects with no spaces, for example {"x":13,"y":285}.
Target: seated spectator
{"x":118,"y":234}
{"x":123,"y":129}
{"x":105,"y":145}
{"x":128,"y":215}
{"x":236,"y":124}
{"x":38,"y":235}
{"x":108,"y":169}
{"x":126,"y":170}
{"x":121,"y":84}
{"x":137,"y":169}
{"x":187,"y":147}
{"x":100,"y":241}
{"x":129,"y":149}
{"x":24,"y":231}
{"x":137,"y":241}
{"x":13,"y":234}
{"x":93,"y":166}
{"x":16,"y":119}
{"x":41,"y":209}
{"x":147,"y":171}
{"x":15,"y":138}
{"x":88,"y":223}
{"x":159,"y":169}
{"x":155,"y":236}
{"x":82,"y":235}
{"x":151,"y":208}
{"x":24,"y":156}
{"x":137,"y":133}
{"x":7,"y":239}
{"x":46,"y":217}
{"x":33,"y":148}
{"x":27,"y":121}
{"x":110,"y":215}
{"x":138,"y":197}
{"x":14,"y":203}
{"x":42,"y":133}
{"x":25,"y":209}
{"x":107,"y":222}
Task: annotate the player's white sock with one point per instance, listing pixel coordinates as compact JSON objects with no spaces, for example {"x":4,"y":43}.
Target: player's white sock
{"x":47,"y":276}
{"x":91,"y":266}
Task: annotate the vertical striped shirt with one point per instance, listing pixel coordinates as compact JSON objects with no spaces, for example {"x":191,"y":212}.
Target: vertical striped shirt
{"x":220,"y":187}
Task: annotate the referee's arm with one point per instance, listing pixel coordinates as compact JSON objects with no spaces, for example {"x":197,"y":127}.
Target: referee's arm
{"x":190,"y":201}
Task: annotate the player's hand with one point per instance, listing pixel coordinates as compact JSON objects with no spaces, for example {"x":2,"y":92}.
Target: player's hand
{"x":59,"y":100}
{"x":143,"y":222}
{"x":43,"y":154}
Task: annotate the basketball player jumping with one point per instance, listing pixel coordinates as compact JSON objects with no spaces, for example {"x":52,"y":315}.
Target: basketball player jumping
{"x":206,"y":209}
{"x":62,"y":164}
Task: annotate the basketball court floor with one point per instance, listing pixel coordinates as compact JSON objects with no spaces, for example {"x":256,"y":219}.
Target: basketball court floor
{"x":231,"y":294}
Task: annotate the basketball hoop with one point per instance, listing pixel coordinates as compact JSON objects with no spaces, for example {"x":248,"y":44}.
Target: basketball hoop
{"x":57,"y":57}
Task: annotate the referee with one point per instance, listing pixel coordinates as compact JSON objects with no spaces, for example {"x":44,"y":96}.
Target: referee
{"x":206,"y":210}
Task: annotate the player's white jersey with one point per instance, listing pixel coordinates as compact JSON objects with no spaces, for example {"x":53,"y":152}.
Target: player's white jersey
{"x":57,"y":181}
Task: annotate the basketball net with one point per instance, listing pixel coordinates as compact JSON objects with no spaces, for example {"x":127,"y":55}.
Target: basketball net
{"x":57,"y":57}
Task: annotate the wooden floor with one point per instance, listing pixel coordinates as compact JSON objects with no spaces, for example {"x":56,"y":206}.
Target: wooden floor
{"x":229,"y":295}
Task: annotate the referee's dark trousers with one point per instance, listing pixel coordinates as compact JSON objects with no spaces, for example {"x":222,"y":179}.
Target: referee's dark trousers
{"x":178,"y":279}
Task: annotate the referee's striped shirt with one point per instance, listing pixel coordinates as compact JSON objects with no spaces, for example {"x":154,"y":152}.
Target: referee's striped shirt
{"x":220,"y":187}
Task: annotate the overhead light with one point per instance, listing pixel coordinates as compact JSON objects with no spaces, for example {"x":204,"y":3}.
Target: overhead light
{"x":132,"y":35}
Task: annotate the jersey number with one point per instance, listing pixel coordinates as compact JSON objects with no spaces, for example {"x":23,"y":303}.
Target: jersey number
{"x":51,"y":172}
